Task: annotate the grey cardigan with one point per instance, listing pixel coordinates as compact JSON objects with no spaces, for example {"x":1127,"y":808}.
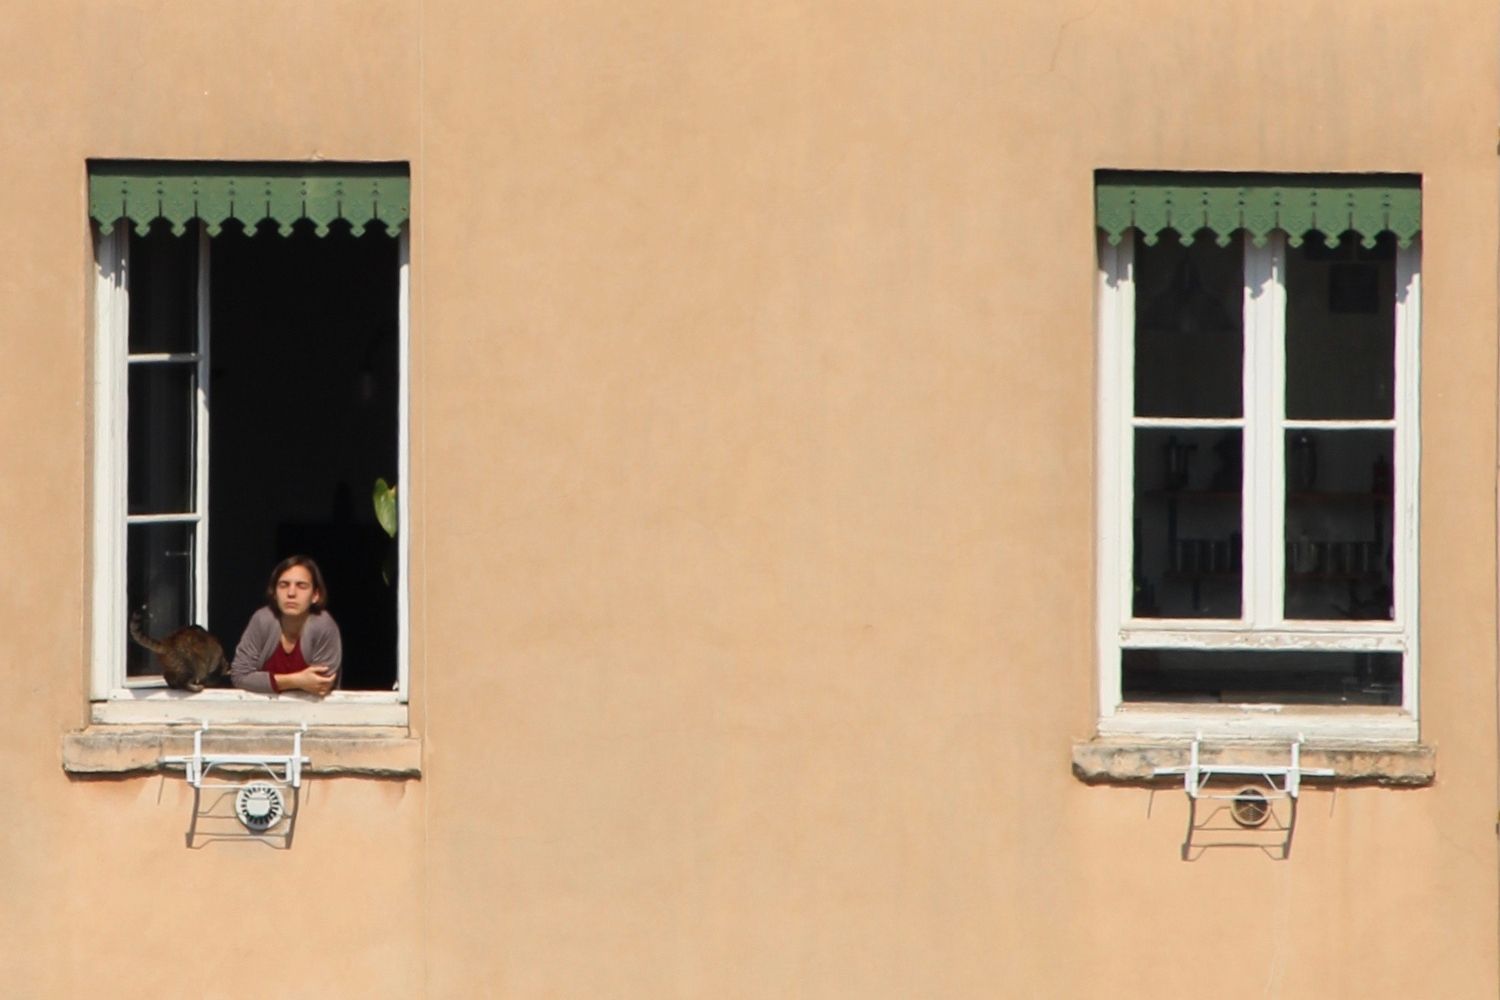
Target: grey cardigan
{"x":320,"y":645}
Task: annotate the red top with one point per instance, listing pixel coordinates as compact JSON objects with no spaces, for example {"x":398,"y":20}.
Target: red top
{"x":282,"y":662}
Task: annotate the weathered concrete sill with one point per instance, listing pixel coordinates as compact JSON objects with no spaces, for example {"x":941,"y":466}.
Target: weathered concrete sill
{"x":1133,"y":759}
{"x":368,"y":751}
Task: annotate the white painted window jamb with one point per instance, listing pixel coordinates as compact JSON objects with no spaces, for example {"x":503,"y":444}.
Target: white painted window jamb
{"x":110,"y":385}
{"x":403,"y":466}
{"x":1406,"y":481}
{"x":1116,"y":304}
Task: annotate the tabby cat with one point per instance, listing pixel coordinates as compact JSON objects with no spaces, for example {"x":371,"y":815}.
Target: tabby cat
{"x":191,"y":658}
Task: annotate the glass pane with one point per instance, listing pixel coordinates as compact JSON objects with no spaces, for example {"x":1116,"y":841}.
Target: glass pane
{"x":163,"y":291}
{"x":1188,"y":328}
{"x":1188,"y":540}
{"x":159,"y":581}
{"x":161,"y":437}
{"x":1341,"y":330}
{"x":1236,"y":676}
{"x":1339,"y":533}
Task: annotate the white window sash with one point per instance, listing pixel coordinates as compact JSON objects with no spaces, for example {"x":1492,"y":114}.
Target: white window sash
{"x":198,"y":516}
{"x":1262,"y":497}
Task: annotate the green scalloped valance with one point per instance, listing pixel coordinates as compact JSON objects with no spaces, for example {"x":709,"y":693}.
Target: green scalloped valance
{"x":141,"y":191}
{"x":1296,"y":204}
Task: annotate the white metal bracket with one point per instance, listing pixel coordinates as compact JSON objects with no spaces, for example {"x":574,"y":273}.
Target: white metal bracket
{"x":1196,"y":775}
{"x":198,"y":764}
{"x":259,"y":807}
{"x":1282,"y":781}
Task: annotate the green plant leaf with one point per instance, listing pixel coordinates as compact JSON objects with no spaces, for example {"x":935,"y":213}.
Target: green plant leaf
{"x":385,"y":506}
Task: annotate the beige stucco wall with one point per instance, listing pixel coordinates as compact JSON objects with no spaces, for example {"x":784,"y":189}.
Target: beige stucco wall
{"x":753,"y":503}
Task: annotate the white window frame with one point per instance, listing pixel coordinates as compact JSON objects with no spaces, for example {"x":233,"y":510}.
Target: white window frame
{"x":114,"y":697}
{"x":1262,"y":624}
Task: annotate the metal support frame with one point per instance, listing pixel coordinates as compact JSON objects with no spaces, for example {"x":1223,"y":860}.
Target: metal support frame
{"x":1283,"y":781}
{"x":198,"y":764}
{"x":284,"y":770}
{"x":1196,"y":775}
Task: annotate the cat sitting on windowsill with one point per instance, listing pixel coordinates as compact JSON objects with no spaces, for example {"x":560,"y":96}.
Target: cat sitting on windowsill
{"x":191,"y":658}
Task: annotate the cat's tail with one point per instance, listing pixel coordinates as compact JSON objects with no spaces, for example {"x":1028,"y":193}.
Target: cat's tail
{"x":139,"y":636}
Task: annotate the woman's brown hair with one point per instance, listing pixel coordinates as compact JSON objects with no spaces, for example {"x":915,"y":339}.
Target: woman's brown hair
{"x":311,"y":565}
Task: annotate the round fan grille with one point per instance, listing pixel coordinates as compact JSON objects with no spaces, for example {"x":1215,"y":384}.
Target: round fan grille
{"x":1250,"y":807}
{"x":259,"y":806}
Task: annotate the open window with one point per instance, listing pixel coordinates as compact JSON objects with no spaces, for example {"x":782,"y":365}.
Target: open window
{"x":1258,"y":454}
{"x":250,"y":388}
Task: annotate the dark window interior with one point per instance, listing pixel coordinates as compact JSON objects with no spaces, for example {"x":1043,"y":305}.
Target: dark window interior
{"x":303,"y":419}
{"x":1188,"y":545}
{"x":1246,"y":676}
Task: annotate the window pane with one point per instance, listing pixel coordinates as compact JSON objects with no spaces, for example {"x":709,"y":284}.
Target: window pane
{"x":163,"y":291}
{"x":159,"y":580}
{"x":161,"y":438}
{"x":1236,"y":676}
{"x":1341,"y":330}
{"x":1339,"y":533}
{"x":1188,"y":540}
{"x":1188,"y":328}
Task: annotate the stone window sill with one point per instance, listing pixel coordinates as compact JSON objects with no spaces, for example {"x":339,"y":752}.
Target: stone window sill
{"x":1133,"y":759}
{"x":365,"y":751}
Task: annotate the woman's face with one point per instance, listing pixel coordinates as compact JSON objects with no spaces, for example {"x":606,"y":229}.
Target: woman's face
{"x":294,"y":591}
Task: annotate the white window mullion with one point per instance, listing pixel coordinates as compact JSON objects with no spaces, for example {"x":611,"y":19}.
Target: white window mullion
{"x":200,"y":438}
{"x":1273,"y":423}
{"x":1116,"y":360}
{"x":1264,"y":517}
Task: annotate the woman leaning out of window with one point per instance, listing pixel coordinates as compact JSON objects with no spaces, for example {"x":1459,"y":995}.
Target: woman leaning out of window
{"x":291,"y":644}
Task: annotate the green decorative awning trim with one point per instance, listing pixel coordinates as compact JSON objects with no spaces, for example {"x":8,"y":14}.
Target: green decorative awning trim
{"x":141,"y":191}
{"x":1223,"y":204}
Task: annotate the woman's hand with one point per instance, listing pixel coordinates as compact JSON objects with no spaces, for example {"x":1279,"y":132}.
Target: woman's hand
{"x":316,"y":679}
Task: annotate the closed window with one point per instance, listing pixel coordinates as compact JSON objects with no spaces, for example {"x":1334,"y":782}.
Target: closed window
{"x":1258,"y":453}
